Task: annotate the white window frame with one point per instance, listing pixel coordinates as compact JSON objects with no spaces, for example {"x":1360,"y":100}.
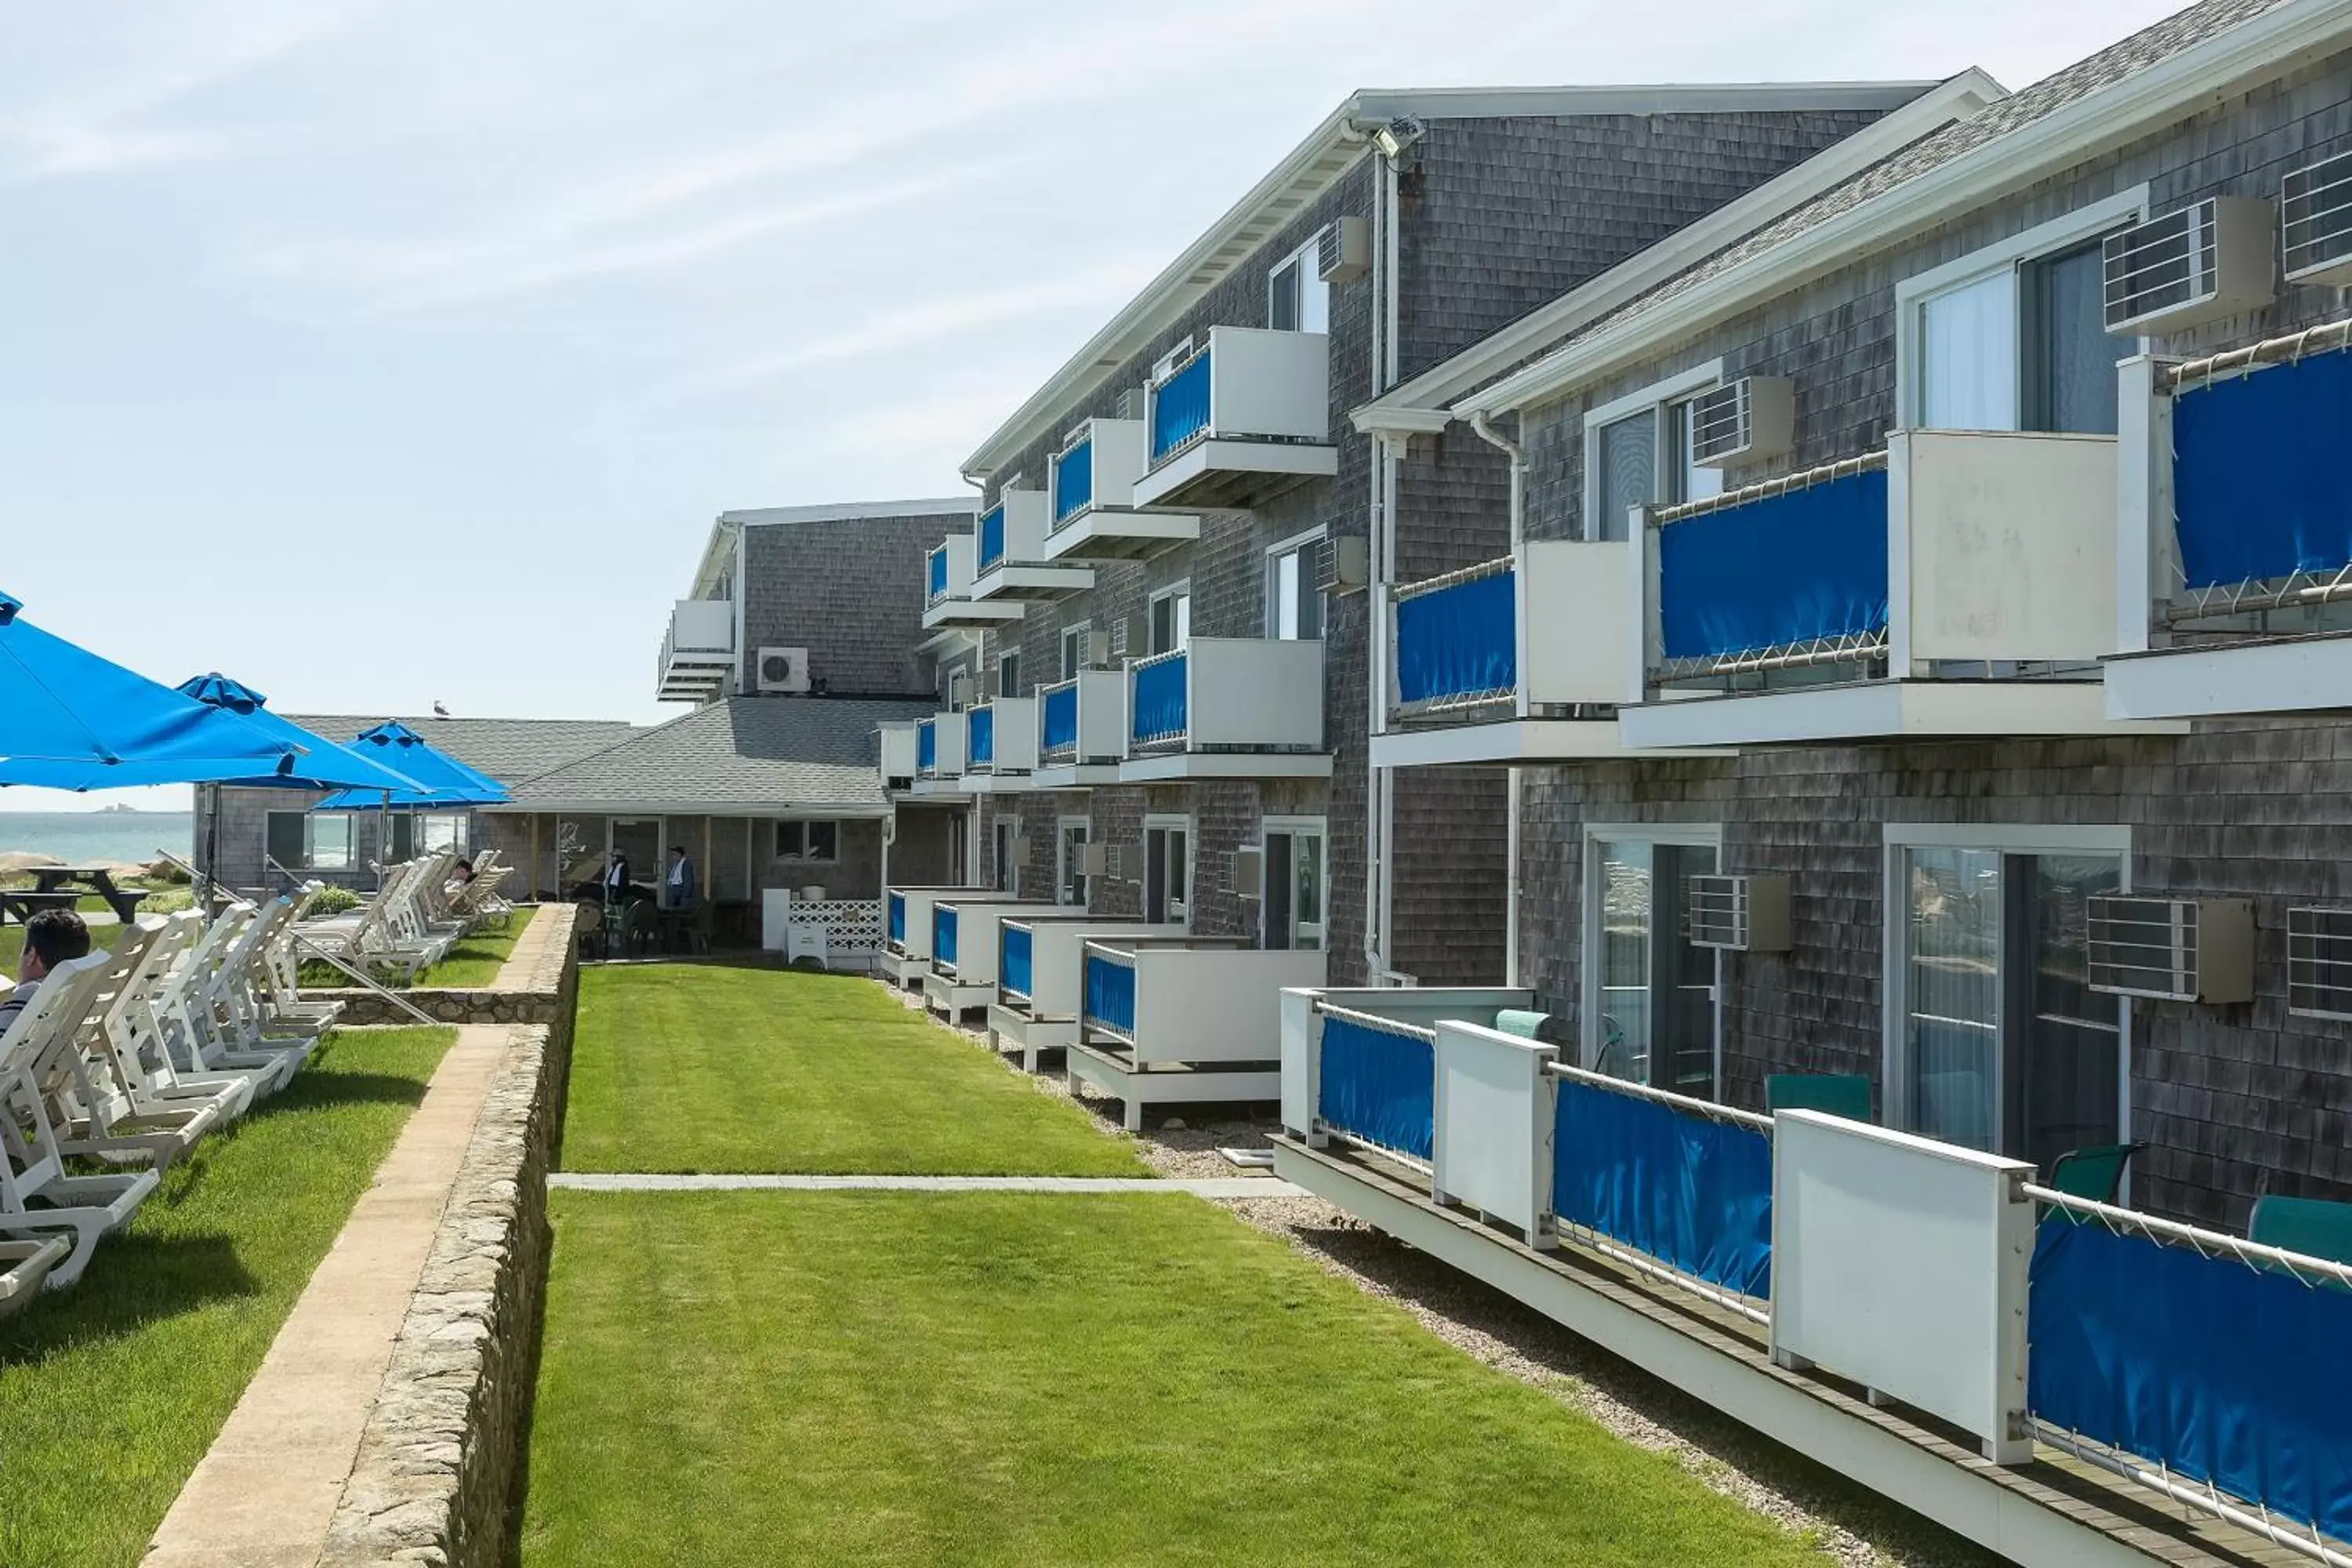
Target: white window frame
{"x":1062,"y":646}
{"x":1309,"y":260}
{"x":1183,"y":589}
{"x":1297,"y":544}
{"x":1320,"y":826}
{"x":776,"y":841}
{"x":1180,"y":911}
{"x":2002,"y":838}
{"x":2061,"y":232}
{"x":1688,"y":835}
{"x":1657,"y":395}
{"x":1077,"y":882}
{"x":1181,"y":350}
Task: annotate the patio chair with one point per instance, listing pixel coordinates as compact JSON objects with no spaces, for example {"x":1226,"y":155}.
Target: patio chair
{"x":39,"y":1199}
{"x":1832,"y":1093}
{"x":192,"y":1030}
{"x":133,"y":1033}
{"x":2313,"y":1226}
{"x":588,"y":929}
{"x":2094,"y":1172}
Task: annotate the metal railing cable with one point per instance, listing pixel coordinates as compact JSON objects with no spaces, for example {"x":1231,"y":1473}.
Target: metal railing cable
{"x":1764,"y":490}
{"x":1455,"y":579}
{"x":1707,"y":1108}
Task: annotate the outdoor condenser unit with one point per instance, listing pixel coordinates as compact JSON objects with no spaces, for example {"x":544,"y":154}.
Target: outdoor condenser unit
{"x":1343,"y":564}
{"x":1093,"y":860}
{"x":2204,"y":261}
{"x":1737,"y":914}
{"x":782,"y":669}
{"x":2172,"y":950}
{"x":1247,"y":873}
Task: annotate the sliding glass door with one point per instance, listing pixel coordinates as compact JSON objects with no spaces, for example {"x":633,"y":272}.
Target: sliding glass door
{"x":1657,"y":1020}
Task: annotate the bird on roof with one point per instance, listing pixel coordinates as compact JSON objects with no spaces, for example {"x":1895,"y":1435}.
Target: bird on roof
{"x":439,"y":712}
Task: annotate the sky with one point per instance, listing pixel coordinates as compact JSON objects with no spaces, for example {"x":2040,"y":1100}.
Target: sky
{"x":380,"y":353}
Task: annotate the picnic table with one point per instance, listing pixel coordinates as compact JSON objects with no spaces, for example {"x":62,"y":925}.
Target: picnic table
{"x":55,"y":888}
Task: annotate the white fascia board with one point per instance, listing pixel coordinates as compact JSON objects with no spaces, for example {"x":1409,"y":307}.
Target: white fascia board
{"x":760,"y":809}
{"x":852,"y":512}
{"x":2262,"y":47}
{"x":2292,"y":675}
{"x":1882,"y":710}
{"x":1412,"y":408}
{"x":1183,"y":765}
{"x":1512,"y":743}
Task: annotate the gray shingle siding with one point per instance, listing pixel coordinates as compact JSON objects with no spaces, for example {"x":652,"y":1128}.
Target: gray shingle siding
{"x":850,"y":592}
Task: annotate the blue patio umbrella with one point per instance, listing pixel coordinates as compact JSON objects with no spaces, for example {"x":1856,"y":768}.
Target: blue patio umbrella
{"x":70,"y":720}
{"x":323,"y":764}
{"x":444,"y":781}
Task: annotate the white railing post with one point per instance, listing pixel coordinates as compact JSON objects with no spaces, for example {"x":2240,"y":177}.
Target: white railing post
{"x":1302,"y":1063}
{"x":1899,"y":618}
{"x":2145,"y":546}
{"x":1645,"y":591}
{"x":1493,"y":1105}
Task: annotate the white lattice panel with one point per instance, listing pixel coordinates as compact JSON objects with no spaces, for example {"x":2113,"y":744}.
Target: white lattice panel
{"x":853,"y":927}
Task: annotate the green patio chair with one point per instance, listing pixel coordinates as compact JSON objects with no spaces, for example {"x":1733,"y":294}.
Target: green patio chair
{"x":2094,"y":1171}
{"x":1519,"y":1021}
{"x":1843,"y":1094}
{"x":2313,"y":1226}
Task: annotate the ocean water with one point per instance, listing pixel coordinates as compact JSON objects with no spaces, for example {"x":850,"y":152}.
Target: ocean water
{"x":126,"y":836}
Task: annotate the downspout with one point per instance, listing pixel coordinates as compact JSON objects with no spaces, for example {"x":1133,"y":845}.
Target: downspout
{"x":1376,"y":865}
{"x":1518,"y":459}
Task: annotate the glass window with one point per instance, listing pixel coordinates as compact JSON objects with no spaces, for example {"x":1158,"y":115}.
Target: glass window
{"x":443,"y":831}
{"x":1292,"y":910}
{"x":1167,"y":874}
{"x":791,"y":841}
{"x":1952,"y":999}
{"x":286,"y":838}
{"x":1073,"y":650}
{"x":1686,"y":479}
{"x":1295,"y":602}
{"x":1008,"y":675}
{"x":1626,"y":456}
{"x":1297,"y":300}
{"x":808,"y":841}
{"x":2071,"y":358}
{"x":1171,"y":620}
{"x":331,"y":849}
{"x":1968,"y":355}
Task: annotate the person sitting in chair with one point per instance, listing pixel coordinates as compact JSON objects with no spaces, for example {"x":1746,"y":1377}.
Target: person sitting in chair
{"x":680,"y":889}
{"x":51,"y":938}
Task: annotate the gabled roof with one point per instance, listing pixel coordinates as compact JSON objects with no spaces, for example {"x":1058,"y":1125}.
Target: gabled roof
{"x":509,"y":750}
{"x":741,"y":756}
{"x":1318,"y":163}
{"x":2123,"y":92}
{"x":728,"y":524}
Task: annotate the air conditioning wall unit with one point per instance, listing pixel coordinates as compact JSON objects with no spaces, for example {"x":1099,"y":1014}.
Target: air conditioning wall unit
{"x":2316,"y":222}
{"x":2199,"y":263}
{"x":1745,"y":421}
{"x":1131,"y":404}
{"x":1343,"y":564}
{"x":2172,"y":950}
{"x":1093,"y":860}
{"x":1247,"y":873}
{"x":1119,"y":638}
{"x":1343,"y":251}
{"x":1737,"y":914}
{"x":2319,"y":963}
{"x":1017,"y":848}
{"x":1101,"y":648}
{"x":782,"y":669}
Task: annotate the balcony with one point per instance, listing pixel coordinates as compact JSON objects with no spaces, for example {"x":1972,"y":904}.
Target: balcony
{"x":1960,"y":582}
{"x":1476,"y":676}
{"x":898,"y":744}
{"x":697,"y":652}
{"x":2235,"y":533}
{"x":947,"y":601}
{"x":1245,"y":418}
{"x":1191,"y":1024}
{"x":939,"y":759}
{"x":999,"y":746}
{"x":1247,"y":708}
{"x":1036,"y":1004}
{"x":967,"y":935}
{"x":1092,"y":512}
{"x":1082,"y":729}
{"x":1013,"y":565}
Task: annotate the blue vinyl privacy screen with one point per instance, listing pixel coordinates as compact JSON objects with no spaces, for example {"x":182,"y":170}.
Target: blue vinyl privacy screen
{"x":2259,"y":487}
{"x":1158,"y":701}
{"x":943,"y":935}
{"x":1458,"y":642}
{"x":992,"y":536}
{"x":1180,"y":408}
{"x":1111,"y":995}
{"x":898,"y":918}
{"x":1785,"y":570}
{"x":1379,"y":1086}
{"x":2223,"y":1373}
{"x":1073,"y":481}
{"x":927,"y":744}
{"x":938,"y":573}
{"x":1012,"y":959}
{"x":980,"y":735}
{"x":1059,"y":730}
{"x":1688,"y":1190}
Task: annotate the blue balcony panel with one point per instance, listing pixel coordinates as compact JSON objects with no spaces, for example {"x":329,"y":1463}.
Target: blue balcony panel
{"x":1074,"y":481}
{"x":992,"y":536}
{"x":1110,"y":993}
{"x":980,"y":736}
{"x":1059,"y":731}
{"x":1689,"y":1190}
{"x":1161,"y":700}
{"x":898,"y":918}
{"x":939,"y":569}
{"x":1780,"y":572}
{"x":1379,"y":1085}
{"x":943,"y":935}
{"x":1460,"y":642}
{"x":1013,"y":958}
{"x":1180,"y":407}
{"x":927,"y":744}
{"x":2259,"y":487}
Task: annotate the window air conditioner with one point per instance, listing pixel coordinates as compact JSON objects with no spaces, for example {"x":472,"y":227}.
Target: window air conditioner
{"x":2316,"y":222}
{"x":2198,"y":264}
{"x":1119,"y":638}
{"x":1737,"y":914}
{"x":1746,"y":421}
{"x":1342,"y":563}
{"x":1093,"y":860}
{"x":783,"y":669}
{"x":2172,"y":950}
{"x":2319,"y":963}
{"x":1016,"y":848}
{"x":1343,"y":251}
{"x":1131,"y":404}
{"x":1247,"y":873}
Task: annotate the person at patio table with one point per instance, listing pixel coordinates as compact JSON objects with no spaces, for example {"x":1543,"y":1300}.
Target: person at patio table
{"x":51,"y":938}
{"x":682,"y":889}
{"x":616,"y":878}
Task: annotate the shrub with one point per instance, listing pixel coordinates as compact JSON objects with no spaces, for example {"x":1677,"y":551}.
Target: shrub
{"x":332,"y":902}
{"x":170,"y":901}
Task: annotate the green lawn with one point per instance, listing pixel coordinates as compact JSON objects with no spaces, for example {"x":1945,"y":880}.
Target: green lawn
{"x":742,"y":1378}
{"x":707,"y":1068}
{"x":110,"y":1391}
{"x":474,"y":962}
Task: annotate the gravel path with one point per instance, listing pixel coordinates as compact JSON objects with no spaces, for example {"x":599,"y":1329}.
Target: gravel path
{"x":1855,"y":1527}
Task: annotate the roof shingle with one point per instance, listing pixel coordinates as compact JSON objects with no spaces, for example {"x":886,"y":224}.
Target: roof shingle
{"x":743,"y":754}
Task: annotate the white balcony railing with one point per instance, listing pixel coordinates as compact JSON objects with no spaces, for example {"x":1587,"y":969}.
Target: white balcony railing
{"x":1091,"y":512}
{"x":949,"y":573}
{"x":1246,"y":416}
{"x":697,"y":652}
{"x":1227,"y":694}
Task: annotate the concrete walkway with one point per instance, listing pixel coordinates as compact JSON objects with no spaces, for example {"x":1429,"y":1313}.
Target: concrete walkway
{"x":265,"y":1493}
{"x":1224,"y":1188}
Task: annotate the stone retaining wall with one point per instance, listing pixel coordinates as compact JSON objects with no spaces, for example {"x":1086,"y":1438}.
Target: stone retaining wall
{"x":438,"y":1465}
{"x":535,"y":988}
